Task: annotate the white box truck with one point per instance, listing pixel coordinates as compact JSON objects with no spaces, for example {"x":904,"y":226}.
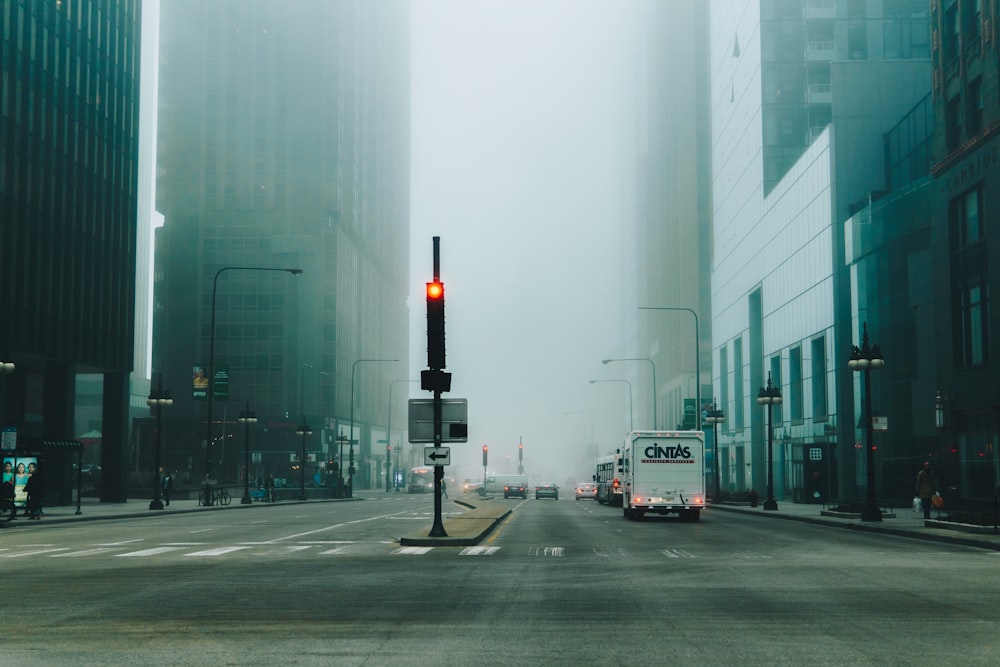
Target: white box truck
{"x":663,"y":472}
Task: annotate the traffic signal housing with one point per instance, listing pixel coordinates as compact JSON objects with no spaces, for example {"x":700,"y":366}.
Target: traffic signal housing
{"x":435,"y":325}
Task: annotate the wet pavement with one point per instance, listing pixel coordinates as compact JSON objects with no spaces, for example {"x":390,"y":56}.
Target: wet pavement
{"x":468,"y":519}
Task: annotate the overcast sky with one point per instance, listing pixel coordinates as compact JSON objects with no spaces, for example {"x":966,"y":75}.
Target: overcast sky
{"x":521,"y":151}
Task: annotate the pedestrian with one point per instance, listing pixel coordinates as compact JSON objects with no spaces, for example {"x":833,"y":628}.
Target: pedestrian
{"x":168,"y":484}
{"x":33,"y":488}
{"x":925,"y":488}
{"x":444,"y":488}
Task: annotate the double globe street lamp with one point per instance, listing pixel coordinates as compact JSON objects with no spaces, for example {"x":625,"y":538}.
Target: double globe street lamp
{"x":247,"y":417}
{"x":715,"y":416}
{"x":770,"y":396}
{"x":865,"y":359}
{"x":159,"y":398}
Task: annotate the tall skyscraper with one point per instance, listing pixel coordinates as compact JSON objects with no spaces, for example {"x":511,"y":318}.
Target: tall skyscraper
{"x":283,"y":143}
{"x":69,"y":109}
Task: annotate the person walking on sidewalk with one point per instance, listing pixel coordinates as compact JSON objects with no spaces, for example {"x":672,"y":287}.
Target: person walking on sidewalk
{"x":168,"y":484}
{"x":34,"y":490}
{"x":925,"y":488}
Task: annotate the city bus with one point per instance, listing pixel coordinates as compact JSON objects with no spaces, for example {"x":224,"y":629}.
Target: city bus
{"x":421,"y":480}
{"x":608,"y":475}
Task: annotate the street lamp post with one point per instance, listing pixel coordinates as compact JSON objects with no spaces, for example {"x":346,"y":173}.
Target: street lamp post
{"x":159,"y":399}
{"x":865,"y":359}
{"x":247,"y":417}
{"x":388,"y":425}
{"x":629,"y":386}
{"x":770,"y":396}
{"x":715,"y":417}
{"x":653,"y":367}
{"x":6,"y":368}
{"x":350,"y":470}
{"x":303,"y":430}
{"x":697,"y":359}
{"x":211,"y":365}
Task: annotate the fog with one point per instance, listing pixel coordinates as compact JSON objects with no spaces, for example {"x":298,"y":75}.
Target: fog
{"x":521,"y":162}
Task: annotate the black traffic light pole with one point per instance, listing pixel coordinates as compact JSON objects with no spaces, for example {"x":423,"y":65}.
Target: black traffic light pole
{"x":436,"y":376}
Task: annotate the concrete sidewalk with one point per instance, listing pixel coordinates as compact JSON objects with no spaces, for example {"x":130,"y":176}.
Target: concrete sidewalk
{"x":903,"y":522}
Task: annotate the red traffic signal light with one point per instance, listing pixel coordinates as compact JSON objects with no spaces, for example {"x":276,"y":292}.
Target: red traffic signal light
{"x":435,"y":325}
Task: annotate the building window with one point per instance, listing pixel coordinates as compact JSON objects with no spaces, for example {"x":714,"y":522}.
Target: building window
{"x":953,"y":122}
{"x":738,"y":384}
{"x":795,"y":384}
{"x":776,"y":381}
{"x":820,"y":408}
{"x":724,"y":379}
{"x":949,"y":34}
{"x":969,"y":284}
{"x":974,"y":106}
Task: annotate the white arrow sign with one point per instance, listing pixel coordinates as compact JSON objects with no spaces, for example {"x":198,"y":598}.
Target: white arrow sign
{"x":437,"y":456}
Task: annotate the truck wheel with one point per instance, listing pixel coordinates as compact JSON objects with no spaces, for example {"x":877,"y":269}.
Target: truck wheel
{"x":694,"y":515}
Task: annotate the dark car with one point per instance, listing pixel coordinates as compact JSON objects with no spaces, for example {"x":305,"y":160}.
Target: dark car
{"x":547,"y":491}
{"x":519,"y":489}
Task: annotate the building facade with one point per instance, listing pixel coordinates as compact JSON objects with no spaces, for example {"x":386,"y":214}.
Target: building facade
{"x":69,"y":123}
{"x":802,"y":96}
{"x":966,"y":212}
{"x":283,"y":144}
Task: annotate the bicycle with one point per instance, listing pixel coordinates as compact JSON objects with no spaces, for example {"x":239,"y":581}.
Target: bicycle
{"x":214,"y":495}
{"x":262,"y":494}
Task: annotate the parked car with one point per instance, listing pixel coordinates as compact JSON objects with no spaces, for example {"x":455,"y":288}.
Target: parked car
{"x":586,"y":490}
{"x":547,"y":491}
{"x":472,"y":485}
{"x":515,"y":488}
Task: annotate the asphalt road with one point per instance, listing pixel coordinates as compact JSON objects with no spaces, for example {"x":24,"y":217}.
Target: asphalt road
{"x":558,"y":582}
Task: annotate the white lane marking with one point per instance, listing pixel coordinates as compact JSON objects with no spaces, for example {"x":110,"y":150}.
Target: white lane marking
{"x":750,"y":555}
{"x":85,"y":552}
{"x":218,"y":551}
{"x":281,"y":550}
{"x":335,"y":551}
{"x":337,"y":525}
{"x":411,"y":551}
{"x":118,"y":544}
{"x":676,"y":553}
{"x":546,"y":551}
{"x":478,"y":551}
{"x":34,"y":553}
{"x":147,"y":552}
{"x":202,"y":530}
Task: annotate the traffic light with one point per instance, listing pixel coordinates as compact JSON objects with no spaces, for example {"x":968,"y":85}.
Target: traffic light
{"x":435,"y":325}
{"x":485,"y":449}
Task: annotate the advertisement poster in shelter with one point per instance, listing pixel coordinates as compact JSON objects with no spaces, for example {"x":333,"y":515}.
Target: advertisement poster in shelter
{"x":16,"y":471}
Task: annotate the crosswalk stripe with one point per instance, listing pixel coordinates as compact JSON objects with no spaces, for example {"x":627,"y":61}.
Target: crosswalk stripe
{"x":412,"y":551}
{"x":220,"y":551}
{"x":34,"y":553}
{"x":478,"y":551}
{"x":147,"y":552}
{"x":85,"y":552}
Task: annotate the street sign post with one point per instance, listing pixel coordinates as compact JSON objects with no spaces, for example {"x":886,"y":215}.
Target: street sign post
{"x":454,"y":419}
